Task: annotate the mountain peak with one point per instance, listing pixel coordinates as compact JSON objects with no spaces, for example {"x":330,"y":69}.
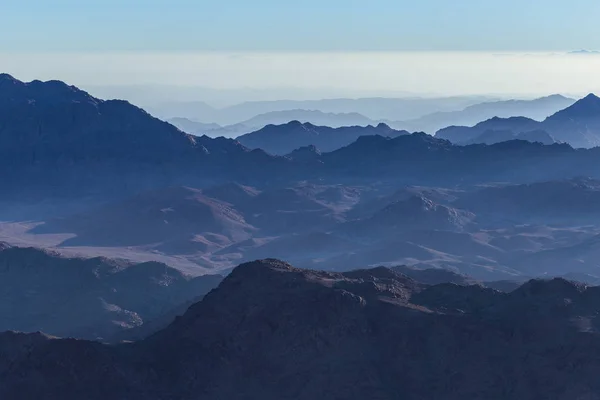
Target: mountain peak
{"x":587,"y":107}
{"x":555,"y":287}
{"x":51,"y":92}
{"x":591,"y":97}
{"x":4,"y":77}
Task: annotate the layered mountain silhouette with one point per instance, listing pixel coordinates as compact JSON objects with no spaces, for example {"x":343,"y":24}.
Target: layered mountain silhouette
{"x":537,"y":109}
{"x":283,"y":139}
{"x":88,"y":298}
{"x":314,"y":117}
{"x":59,"y":142}
{"x":493,"y":137}
{"x":578,"y":125}
{"x":273,"y":331}
{"x":374,"y":108}
{"x":464,"y":135}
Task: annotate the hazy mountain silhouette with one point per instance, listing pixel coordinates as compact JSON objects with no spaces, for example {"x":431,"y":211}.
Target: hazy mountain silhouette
{"x":58,"y":141}
{"x":584,"y":52}
{"x":537,"y":109}
{"x":375,"y":108}
{"x":578,"y":125}
{"x":493,"y":137}
{"x":465,"y":135}
{"x":314,"y":117}
{"x":283,"y":139}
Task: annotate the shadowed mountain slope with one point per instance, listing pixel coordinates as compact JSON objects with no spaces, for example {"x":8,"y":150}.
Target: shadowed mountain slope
{"x":271,"y":331}
{"x":88,"y":298}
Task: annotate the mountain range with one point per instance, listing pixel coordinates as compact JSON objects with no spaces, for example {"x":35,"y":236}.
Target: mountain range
{"x":537,"y":109}
{"x":273,"y":331}
{"x":284,"y":139}
{"x":485,"y":231}
{"x":61,"y":140}
{"x":64,"y":143}
{"x":578,"y":125}
{"x":104,"y":177}
{"x":128,"y":254}
{"x":375,"y":108}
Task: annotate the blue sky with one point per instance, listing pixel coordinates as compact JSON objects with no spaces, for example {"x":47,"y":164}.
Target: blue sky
{"x":312,"y":48}
{"x":307,"y":25}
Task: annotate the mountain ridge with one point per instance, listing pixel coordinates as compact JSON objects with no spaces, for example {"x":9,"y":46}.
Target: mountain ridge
{"x":288,"y":333}
{"x":578,"y":125}
{"x":283,"y":139}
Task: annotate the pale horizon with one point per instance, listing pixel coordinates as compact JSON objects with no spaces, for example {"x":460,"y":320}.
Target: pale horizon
{"x":245,"y":76}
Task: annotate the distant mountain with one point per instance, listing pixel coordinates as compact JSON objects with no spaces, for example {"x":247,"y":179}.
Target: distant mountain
{"x":283,"y":139}
{"x":378,"y":329}
{"x":88,"y":298}
{"x":584,"y":52}
{"x":314,"y":117}
{"x":537,"y":109}
{"x":493,"y":137}
{"x":375,"y":108}
{"x":578,"y":125}
{"x":465,"y":135}
{"x":192,"y":110}
{"x":193,"y":127}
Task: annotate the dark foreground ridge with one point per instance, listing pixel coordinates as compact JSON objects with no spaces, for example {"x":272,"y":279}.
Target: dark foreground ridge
{"x":271,"y":331}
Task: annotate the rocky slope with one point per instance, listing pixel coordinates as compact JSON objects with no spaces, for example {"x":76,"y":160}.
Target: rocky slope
{"x":88,"y":298}
{"x":271,"y":331}
{"x":63,"y":142}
